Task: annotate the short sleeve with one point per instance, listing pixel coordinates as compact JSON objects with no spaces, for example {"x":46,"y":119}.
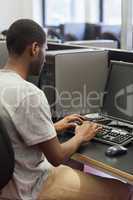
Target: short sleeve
{"x":32,"y":119}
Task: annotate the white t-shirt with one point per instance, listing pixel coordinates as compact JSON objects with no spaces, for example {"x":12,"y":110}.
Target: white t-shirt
{"x":27,"y":116}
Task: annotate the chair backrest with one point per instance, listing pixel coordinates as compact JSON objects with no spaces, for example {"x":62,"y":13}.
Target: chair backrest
{"x":3,"y":53}
{"x":6,"y":156}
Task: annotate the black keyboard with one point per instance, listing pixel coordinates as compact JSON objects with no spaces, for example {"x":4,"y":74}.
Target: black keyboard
{"x":114,"y":136}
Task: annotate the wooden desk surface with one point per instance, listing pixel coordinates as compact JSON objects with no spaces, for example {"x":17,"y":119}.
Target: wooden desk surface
{"x":93,"y":154}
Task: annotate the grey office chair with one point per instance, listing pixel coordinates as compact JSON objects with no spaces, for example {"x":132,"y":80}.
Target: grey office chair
{"x":6,"y":150}
{"x":6,"y":156}
{"x":3,"y":53}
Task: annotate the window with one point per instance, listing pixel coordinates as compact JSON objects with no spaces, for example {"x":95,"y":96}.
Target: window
{"x":112,"y":12}
{"x":62,"y":11}
{"x":65,"y":11}
{"x":92,"y":11}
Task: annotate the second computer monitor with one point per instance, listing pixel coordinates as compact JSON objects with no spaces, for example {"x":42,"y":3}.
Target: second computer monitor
{"x":118,"y":100}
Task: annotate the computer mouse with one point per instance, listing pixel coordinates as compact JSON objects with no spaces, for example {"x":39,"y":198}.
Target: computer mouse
{"x":115,"y":150}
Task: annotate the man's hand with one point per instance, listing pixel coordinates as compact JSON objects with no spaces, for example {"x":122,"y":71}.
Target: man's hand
{"x":87,"y":131}
{"x":55,"y":152}
{"x":68,"y":122}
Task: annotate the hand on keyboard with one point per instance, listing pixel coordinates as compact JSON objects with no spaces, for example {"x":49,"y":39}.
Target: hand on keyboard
{"x":88,"y":130}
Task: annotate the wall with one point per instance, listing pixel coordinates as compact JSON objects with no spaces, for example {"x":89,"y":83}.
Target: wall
{"x":10,"y":10}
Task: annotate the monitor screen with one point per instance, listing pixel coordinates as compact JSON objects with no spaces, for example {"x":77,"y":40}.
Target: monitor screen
{"x":118,"y":98}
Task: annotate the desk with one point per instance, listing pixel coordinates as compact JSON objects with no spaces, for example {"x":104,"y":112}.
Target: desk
{"x":93,"y":154}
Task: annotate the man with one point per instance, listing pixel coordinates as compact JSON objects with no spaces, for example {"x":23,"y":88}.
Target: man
{"x":38,"y":152}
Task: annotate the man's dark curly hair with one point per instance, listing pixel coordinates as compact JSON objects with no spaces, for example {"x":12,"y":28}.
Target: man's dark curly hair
{"x":22,"y":33}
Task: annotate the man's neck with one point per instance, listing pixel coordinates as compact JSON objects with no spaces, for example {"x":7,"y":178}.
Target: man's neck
{"x":19,"y":66}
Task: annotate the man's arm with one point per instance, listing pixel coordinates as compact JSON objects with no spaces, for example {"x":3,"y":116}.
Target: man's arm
{"x":56,"y":153}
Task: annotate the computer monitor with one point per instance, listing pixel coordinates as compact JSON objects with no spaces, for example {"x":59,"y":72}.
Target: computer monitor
{"x":74,"y":80}
{"x":118,"y":98}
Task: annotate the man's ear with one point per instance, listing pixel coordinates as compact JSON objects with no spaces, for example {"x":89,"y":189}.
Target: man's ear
{"x":35,"y":49}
